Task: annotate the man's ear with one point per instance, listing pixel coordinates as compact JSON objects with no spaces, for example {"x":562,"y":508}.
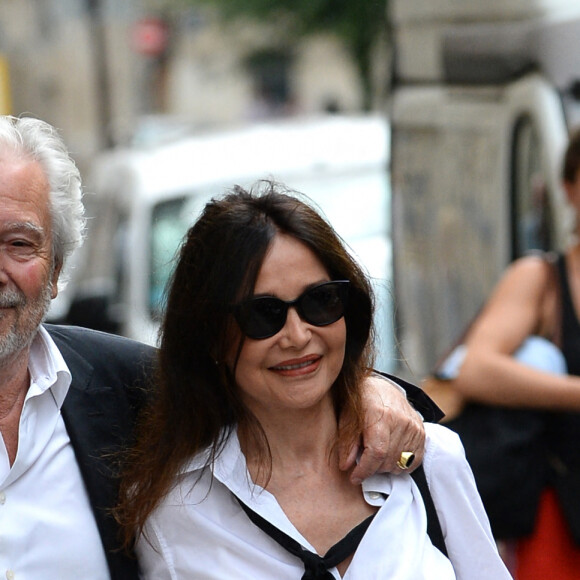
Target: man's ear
{"x":55,"y":277}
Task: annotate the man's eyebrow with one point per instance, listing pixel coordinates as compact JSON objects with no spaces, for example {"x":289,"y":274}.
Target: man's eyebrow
{"x":26,"y":227}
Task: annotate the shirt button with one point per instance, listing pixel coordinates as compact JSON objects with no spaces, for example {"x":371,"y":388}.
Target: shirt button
{"x":2,"y":498}
{"x":10,"y":575}
{"x":375,"y":495}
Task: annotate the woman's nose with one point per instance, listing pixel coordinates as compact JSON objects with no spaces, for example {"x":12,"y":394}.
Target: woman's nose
{"x":296,"y":332}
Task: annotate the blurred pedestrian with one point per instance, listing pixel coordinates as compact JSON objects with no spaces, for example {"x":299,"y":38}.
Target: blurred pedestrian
{"x":525,"y":303}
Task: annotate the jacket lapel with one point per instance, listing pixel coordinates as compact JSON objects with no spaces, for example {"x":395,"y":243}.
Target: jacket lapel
{"x":97,"y":421}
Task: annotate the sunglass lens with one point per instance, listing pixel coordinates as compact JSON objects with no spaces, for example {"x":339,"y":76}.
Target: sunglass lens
{"x":324,"y":304}
{"x":263,"y":317}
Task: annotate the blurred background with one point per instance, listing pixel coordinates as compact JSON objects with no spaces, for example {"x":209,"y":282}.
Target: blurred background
{"x":104,"y":71}
{"x":157,"y":100}
{"x":429,"y":132}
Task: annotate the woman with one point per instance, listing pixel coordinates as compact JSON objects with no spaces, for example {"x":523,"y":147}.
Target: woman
{"x":266,"y":340}
{"x":527,"y":302}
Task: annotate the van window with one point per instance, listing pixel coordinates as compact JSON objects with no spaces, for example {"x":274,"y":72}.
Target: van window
{"x":170,"y":221}
{"x":168,"y":227}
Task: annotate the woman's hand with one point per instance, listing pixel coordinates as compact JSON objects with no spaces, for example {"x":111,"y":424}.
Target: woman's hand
{"x":391,"y":427}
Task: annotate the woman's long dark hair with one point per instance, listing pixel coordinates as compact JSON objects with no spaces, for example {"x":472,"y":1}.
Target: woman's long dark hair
{"x":195,"y":402}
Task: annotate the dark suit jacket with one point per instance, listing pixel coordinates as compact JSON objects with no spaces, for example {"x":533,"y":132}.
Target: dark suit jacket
{"x":109,"y":381}
{"x":109,"y":374}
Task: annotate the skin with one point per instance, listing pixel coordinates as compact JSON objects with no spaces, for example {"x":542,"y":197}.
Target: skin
{"x":28,"y":281}
{"x":286,"y":381}
{"x":522,"y":303}
{"x":392,"y":426}
{"x":290,"y":373}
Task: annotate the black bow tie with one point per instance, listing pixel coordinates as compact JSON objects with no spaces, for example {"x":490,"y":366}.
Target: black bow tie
{"x":315,"y":567}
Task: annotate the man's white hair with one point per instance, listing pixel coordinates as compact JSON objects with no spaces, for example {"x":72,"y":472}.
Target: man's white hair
{"x":34,"y":139}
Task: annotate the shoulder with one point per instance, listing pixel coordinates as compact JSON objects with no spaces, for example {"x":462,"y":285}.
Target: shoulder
{"x":107,"y":354}
{"x":446,"y":467}
{"x":444,"y":452}
{"x":416,"y":396}
{"x":530,"y":268}
{"x":84,"y":339}
{"x":441,"y":440}
{"x":523,"y":283}
{"x":447,"y":470}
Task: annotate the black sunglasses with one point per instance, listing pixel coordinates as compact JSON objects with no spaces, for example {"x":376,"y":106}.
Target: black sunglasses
{"x":264,"y":316}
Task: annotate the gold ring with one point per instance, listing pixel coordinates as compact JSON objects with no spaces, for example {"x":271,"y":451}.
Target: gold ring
{"x":406,"y":460}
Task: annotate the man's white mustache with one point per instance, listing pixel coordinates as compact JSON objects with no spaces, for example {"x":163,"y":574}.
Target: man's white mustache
{"x":11,"y":299}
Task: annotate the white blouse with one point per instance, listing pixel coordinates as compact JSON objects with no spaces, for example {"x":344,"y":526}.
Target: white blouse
{"x":200,"y":531}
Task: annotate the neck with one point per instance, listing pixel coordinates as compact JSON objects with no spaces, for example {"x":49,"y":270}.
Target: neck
{"x":303,"y":440}
{"x":14,"y":383}
{"x":14,"y":379}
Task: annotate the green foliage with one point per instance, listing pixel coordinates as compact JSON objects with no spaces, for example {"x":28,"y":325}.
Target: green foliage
{"x":358,"y":23}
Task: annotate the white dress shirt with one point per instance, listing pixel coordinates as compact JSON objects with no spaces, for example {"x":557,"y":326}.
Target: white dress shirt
{"x":200,"y":532}
{"x":47,"y":527}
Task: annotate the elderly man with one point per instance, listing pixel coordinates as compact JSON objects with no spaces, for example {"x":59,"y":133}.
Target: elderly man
{"x":69,"y":396}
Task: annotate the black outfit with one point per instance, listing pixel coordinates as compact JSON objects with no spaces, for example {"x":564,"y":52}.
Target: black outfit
{"x":109,"y":381}
{"x":564,"y":428}
{"x":570,"y":323}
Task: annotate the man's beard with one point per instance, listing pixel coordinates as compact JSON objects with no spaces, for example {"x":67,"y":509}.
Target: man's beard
{"x":29,"y":315}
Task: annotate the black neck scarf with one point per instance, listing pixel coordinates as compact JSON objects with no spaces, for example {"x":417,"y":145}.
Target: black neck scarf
{"x":315,"y":567}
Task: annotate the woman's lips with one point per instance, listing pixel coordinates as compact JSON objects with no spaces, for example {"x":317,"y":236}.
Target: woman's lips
{"x":299,"y":366}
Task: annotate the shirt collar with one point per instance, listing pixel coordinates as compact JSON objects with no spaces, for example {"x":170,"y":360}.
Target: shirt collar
{"x":47,"y":368}
{"x":230,"y":469}
{"x":226,"y":464}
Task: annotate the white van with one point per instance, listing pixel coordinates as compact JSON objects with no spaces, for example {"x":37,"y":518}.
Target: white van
{"x":144,"y":199}
{"x":485,"y":95}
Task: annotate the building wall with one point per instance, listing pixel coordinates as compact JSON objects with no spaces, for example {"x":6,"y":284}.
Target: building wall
{"x":54,"y":50}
